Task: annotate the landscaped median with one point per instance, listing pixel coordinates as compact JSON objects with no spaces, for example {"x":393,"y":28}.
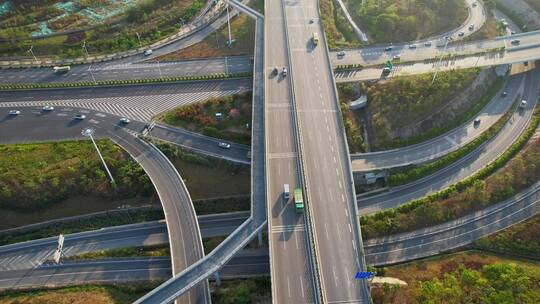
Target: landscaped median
{"x":407,"y":175}
{"x":54,"y":85}
{"x":494,"y":183}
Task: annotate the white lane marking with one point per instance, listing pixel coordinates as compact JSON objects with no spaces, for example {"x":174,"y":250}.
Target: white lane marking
{"x":350,"y":230}
{"x":342,"y":198}
{"x":335,"y":276}
{"x":296,"y":240}
{"x":289,"y":286}
{"x":341,"y":187}
{"x":326,"y":229}
{"x":338,"y":231}
{"x":302,"y":287}
{"x":346,"y":213}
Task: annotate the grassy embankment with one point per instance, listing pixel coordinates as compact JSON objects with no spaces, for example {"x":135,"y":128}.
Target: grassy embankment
{"x":83,"y":294}
{"x":215,"y":45}
{"x":522,"y":239}
{"x":201,"y":117}
{"x":399,"y":21}
{"x":404,"y":102}
{"x":153,"y":20}
{"x":338,"y":31}
{"x":254,"y":290}
{"x":36,"y":179}
{"x":504,"y":177}
{"x":468,"y":277}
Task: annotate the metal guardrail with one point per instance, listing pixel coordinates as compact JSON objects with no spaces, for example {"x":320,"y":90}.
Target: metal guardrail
{"x":312,"y":240}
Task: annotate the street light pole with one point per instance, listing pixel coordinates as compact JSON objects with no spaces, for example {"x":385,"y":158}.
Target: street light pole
{"x":89,"y":67}
{"x":31,"y":50}
{"x":88,"y":132}
{"x":229,"y":25}
{"x":139,"y":38}
{"x":440,"y":60}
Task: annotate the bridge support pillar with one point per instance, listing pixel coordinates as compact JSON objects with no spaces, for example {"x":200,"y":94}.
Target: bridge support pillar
{"x":218,"y":280}
{"x":260,"y":238}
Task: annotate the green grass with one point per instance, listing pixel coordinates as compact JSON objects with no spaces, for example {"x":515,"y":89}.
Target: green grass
{"x":83,"y":294}
{"x":36,"y":176}
{"x":405,"y":102}
{"x":339,"y":33}
{"x":201,"y":117}
{"x":522,"y":239}
{"x":407,"y":175}
{"x":465,"y":277}
{"x":400,"y":21}
{"x":145,"y":251}
{"x":254,"y":290}
{"x":499,"y":180}
{"x":152,"y":19}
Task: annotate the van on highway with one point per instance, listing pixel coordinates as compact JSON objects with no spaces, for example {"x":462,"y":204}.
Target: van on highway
{"x":286,"y":192}
{"x":315,"y":38}
{"x":61,"y":69}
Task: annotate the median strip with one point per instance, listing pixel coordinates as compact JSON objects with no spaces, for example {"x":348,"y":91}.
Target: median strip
{"x":162,"y":80}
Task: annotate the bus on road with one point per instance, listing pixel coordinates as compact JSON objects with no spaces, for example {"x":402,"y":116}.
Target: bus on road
{"x":61,"y":69}
{"x":298,"y":200}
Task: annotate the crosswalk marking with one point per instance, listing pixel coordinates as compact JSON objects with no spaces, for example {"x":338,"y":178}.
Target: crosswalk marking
{"x":141,"y":108}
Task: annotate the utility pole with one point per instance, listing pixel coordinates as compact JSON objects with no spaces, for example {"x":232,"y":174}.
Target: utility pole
{"x":440,"y":60}
{"x":229,"y":25}
{"x":139,"y":38}
{"x":88,"y":132}
{"x":89,"y":67}
{"x":31,"y":51}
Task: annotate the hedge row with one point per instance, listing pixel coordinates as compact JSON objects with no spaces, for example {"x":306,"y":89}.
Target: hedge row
{"x":462,"y":185}
{"x":345,"y":67}
{"x":416,"y":173}
{"x":26,"y":86}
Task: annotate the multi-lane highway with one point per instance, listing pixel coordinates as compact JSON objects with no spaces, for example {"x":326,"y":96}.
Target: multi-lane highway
{"x":127,"y":71}
{"x":291,"y":268}
{"x":324,"y":159}
{"x":140,"y":102}
{"x":186,"y":243}
{"x":398,"y":248}
{"x":246,"y":264}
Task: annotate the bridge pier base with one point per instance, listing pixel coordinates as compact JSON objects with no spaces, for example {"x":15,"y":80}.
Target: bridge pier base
{"x":260,"y":238}
{"x":218,"y":279}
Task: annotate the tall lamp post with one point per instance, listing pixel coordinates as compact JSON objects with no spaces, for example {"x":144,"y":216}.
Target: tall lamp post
{"x":89,"y":132}
{"x":31,"y":51}
{"x":439,"y":63}
{"x":89,"y":67}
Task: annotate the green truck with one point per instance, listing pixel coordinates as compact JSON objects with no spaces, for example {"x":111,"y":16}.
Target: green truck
{"x":298,"y":200}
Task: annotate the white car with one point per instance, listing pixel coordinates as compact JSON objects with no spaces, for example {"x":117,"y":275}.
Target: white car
{"x":48,"y":108}
{"x":14,"y":112}
{"x":224,"y":145}
{"x":396,"y":57}
{"x":284,"y":72}
{"x":148,"y":52}
{"x":427,"y":43}
{"x":523,"y":104}
{"x":341,"y":54}
{"x":79,"y":117}
{"x":125,"y":120}
{"x":412,"y":46}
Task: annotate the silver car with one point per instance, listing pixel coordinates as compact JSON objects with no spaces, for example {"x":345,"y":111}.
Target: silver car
{"x":14,"y":112}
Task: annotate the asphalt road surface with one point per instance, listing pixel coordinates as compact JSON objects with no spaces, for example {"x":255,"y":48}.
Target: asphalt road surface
{"x":325,"y":160}
{"x":138,"y":102}
{"x":291,"y":268}
{"x":186,"y":245}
